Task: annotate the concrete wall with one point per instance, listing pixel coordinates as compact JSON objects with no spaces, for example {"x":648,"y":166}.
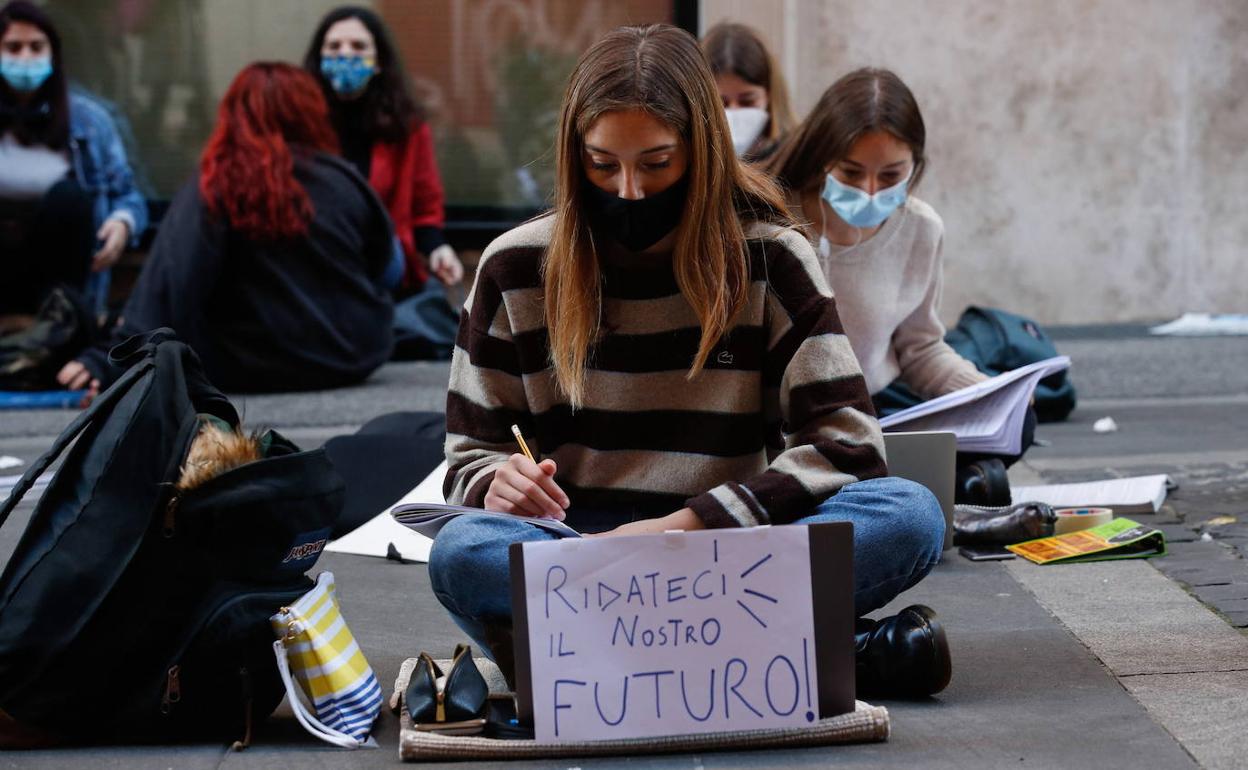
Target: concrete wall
{"x":243,"y":31}
{"x":1089,"y":157}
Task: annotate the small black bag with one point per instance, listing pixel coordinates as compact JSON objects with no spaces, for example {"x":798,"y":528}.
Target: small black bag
{"x":31,"y":358}
{"x":130,"y":611}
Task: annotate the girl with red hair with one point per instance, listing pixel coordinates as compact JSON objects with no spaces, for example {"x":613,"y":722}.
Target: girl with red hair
{"x":269,"y":263}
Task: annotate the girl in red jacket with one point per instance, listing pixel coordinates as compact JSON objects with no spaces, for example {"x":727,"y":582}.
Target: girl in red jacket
{"x":383,"y":133}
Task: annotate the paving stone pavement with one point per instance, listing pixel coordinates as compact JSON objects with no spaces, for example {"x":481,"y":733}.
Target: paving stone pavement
{"x":1206,"y":524}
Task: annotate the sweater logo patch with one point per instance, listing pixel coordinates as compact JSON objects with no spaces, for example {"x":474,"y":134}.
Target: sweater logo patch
{"x":724,"y":357}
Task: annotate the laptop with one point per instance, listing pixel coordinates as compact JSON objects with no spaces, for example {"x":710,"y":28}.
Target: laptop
{"x":928,"y":458}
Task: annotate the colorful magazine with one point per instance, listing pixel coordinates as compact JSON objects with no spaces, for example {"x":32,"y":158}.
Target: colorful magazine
{"x":1119,"y":539}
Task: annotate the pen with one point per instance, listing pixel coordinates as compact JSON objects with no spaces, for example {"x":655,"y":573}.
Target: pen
{"x":515,"y":429}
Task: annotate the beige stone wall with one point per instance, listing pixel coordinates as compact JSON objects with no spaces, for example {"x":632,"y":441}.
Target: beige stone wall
{"x":242,"y":31}
{"x":1089,"y":157}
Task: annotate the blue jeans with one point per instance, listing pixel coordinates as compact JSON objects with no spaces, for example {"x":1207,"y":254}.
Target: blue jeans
{"x":899,"y":532}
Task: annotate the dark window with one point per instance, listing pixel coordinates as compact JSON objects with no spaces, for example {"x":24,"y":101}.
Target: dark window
{"x":490,"y":72}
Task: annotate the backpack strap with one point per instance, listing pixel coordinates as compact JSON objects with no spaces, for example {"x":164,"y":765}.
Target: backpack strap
{"x":98,"y":406}
{"x":145,"y":347}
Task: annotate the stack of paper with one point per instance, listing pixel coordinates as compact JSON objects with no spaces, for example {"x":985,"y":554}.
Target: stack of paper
{"x":986,"y":417}
{"x":1138,"y":494}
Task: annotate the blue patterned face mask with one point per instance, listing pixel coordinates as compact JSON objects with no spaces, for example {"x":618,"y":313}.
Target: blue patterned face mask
{"x":859,"y":209}
{"x":25,"y":75}
{"x":348,"y":75}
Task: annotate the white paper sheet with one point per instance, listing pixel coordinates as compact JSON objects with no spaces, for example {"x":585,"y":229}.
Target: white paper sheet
{"x":1137,"y":494}
{"x":1204,"y":325}
{"x":374,"y":537}
{"x":684,"y":632}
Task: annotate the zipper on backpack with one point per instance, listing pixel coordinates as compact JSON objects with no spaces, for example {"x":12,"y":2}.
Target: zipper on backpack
{"x":173,"y":690}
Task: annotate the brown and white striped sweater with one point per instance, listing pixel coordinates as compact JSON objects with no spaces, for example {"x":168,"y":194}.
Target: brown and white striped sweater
{"x":777,"y":421}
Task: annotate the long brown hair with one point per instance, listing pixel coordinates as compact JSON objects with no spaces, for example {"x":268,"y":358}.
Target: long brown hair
{"x":863,"y":101}
{"x":736,"y":49}
{"x":659,"y":69}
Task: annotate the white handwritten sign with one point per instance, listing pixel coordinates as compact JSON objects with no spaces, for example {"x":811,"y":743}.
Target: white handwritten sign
{"x":671,"y":634}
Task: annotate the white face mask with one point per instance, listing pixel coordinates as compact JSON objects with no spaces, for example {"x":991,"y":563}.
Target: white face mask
{"x":746,"y":124}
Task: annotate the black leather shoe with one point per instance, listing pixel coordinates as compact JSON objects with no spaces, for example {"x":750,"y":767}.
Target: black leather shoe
{"x":983,"y":482}
{"x":458,"y":695}
{"x":905,"y":655}
{"x":498,"y":638}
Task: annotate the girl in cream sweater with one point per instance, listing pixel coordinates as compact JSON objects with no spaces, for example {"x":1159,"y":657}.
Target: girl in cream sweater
{"x":850,"y":168}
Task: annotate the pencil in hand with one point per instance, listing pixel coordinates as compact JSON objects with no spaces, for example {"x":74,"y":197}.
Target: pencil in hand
{"x":515,"y":430}
{"x":557,"y":496}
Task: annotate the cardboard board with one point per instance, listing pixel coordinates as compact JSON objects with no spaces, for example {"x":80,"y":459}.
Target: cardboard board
{"x":677,"y":633}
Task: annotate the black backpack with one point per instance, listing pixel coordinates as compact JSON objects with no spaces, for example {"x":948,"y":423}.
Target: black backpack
{"x":130,"y":612}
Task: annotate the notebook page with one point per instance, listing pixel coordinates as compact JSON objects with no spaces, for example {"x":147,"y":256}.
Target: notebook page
{"x":992,"y":423}
{"x":977,"y":391}
{"x":1139,"y":493}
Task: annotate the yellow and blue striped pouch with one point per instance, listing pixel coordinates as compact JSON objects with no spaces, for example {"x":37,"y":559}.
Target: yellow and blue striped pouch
{"x":316,"y":649}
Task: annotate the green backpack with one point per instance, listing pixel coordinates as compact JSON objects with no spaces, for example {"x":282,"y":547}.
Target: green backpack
{"x":997,"y":341}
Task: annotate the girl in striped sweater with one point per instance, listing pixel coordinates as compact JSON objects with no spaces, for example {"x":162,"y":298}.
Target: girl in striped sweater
{"x":671,"y":343}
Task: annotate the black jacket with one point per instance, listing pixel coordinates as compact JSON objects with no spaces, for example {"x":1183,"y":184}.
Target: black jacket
{"x":298,"y":314}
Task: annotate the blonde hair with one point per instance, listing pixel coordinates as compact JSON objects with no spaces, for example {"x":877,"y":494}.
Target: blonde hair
{"x":736,"y":49}
{"x":659,"y":69}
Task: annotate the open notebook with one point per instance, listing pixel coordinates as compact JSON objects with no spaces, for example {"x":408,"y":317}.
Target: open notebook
{"x":428,"y":518}
{"x":1137,"y":494}
{"x":407,"y":528}
{"x":986,"y":417}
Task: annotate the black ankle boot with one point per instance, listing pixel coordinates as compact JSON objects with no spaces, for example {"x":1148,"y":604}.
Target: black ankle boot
{"x":983,"y":482}
{"x":905,"y":655}
{"x":498,"y":638}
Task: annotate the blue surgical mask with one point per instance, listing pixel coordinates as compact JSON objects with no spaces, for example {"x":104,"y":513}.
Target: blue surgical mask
{"x":859,"y":209}
{"x":348,"y":75}
{"x":25,"y":75}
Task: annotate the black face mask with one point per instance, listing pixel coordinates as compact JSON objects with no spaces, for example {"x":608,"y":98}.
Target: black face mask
{"x":637,"y":224}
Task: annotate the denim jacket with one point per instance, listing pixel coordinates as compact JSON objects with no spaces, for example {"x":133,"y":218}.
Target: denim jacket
{"x":100,"y":166}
